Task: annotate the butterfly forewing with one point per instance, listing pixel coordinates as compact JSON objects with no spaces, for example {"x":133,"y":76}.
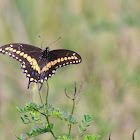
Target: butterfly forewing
{"x":27,"y":55}
{"x":20,"y":51}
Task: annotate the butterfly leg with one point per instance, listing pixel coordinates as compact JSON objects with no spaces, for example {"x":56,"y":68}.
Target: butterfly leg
{"x":41,"y":86}
{"x":29,"y":84}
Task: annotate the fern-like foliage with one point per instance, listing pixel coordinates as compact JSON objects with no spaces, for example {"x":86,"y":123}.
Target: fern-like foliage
{"x":91,"y":137}
{"x":39,"y":115}
{"x":35,"y":132}
{"x":85,"y":123}
{"x":37,"y":110}
{"x":86,"y":137}
{"x":35,"y":113}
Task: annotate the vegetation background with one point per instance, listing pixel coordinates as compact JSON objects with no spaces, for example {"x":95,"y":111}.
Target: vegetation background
{"x":106,"y":33}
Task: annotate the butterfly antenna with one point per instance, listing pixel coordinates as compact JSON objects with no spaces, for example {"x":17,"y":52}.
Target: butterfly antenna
{"x":54,"y":41}
{"x":41,"y":41}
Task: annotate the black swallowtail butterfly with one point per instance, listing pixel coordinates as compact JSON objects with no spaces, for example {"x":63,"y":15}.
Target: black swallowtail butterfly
{"x":38,"y":64}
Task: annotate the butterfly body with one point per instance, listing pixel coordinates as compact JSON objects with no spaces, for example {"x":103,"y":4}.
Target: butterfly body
{"x":37,"y":64}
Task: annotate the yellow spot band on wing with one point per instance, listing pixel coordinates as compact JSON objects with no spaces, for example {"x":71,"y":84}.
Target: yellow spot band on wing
{"x":49,"y":65}
{"x":44,"y":69}
{"x":23,"y":66}
{"x":72,"y":57}
{"x":31,"y":79}
{"x":29,"y":58}
{"x":14,"y":50}
{"x":22,"y":53}
{"x":53,"y":71}
{"x":25,"y":55}
{"x":34,"y":62}
{"x":58,"y":60}
{"x":28,"y":75}
{"x":37,"y":68}
{"x":62,"y":59}
{"x":7,"y":48}
{"x":18,"y":52}
{"x":11,"y":49}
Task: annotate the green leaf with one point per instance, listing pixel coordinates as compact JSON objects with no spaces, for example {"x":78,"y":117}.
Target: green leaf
{"x":75,"y":121}
{"x":80,"y":128}
{"x":22,"y":136}
{"x":33,"y":117}
{"x":69,"y":117}
{"x":28,"y":134}
{"x":24,"y":109}
{"x":91,"y":137}
{"x":88,"y":119}
{"x":87,"y":125}
{"x":34,"y":132}
{"x":64,"y":116}
{"x":83,"y":130}
{"x":31,"y":132}
{"x":26,"y":117}
{"x":37,"y":127}
{"x":52,"y":109}
{"x":49,"y":106}
{"x":82,"y":123}
{"x":18,"y":138}
{"x":85,"y":118}
{"x":22,"y":119}
{"x":19,"y":109}
{"x":72,"y":119}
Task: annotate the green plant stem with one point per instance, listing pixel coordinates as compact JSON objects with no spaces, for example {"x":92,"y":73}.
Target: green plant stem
{"x":40,"y":95}
{"x":47,"y":118}
{"x":47,"y":94}
{"x":73,"y":107}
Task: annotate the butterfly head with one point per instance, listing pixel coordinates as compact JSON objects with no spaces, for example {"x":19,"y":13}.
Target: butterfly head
{"x":46,"y":52}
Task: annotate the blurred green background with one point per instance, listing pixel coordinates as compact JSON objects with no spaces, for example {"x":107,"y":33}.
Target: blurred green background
{"x":106,"y":33}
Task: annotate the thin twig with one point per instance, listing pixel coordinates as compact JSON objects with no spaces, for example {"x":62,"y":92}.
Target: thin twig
{"x":77,"y":102}
{"x":75,"y":90}
{"x":110,"y":137}
{"x":133,"y":137}
{"x":74,"y":103}
{"x":67,"y":94}
{"x":81,"y":86}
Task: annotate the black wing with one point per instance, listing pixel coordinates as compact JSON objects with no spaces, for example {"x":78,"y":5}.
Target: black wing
{"x":37,"y":68}
{"x":28,"y":56}
{"x":57,"y":59}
